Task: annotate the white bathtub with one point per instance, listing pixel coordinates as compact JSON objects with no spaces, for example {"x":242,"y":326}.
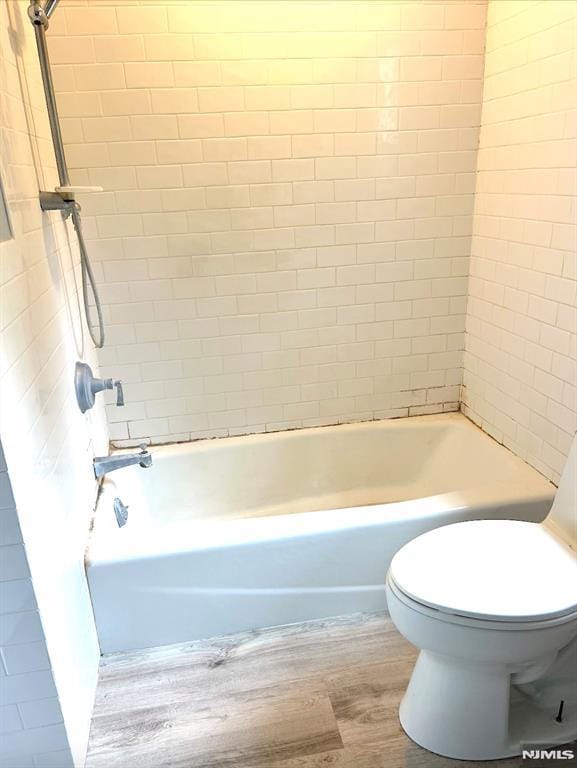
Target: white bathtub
{"x":241,"y":533}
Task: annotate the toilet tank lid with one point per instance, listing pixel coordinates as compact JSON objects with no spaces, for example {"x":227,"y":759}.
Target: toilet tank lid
{"x":497,"y":570}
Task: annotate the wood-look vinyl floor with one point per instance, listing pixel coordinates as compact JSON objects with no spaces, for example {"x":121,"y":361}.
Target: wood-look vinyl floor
{"x":312,"y":695}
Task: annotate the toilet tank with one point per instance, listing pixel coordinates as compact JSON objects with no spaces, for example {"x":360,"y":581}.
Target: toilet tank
{"x":563,"y":515}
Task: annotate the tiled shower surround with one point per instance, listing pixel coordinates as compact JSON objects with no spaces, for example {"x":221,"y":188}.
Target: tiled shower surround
{"x":284,"y":234}
{"x":520,"y":364}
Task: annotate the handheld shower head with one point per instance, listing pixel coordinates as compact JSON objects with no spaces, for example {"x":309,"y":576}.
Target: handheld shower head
{"x":50,"y":7}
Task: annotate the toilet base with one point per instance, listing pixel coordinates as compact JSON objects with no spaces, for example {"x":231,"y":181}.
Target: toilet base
{"x":470,"y":711}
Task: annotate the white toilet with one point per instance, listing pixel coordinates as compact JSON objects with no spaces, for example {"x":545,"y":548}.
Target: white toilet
{"x":492,"y":606}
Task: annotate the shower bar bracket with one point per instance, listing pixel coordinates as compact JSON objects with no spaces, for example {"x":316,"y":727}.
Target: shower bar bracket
{"x":54,"y":201}
{"x":41,"y":15}
{"x":63,"y":198}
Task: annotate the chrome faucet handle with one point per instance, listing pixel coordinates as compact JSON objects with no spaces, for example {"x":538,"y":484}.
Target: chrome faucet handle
{"x":87,"y":387}
{"x":143,"y":447}
{"x":119,"y":392}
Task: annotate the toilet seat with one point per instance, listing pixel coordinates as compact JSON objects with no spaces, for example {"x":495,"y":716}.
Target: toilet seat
{"x":495,"y":570}
{"x":473,"y":622}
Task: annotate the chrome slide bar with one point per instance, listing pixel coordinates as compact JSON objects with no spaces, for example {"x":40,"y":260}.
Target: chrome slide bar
{"x":39,"y":17}
{"x":63,"y":199}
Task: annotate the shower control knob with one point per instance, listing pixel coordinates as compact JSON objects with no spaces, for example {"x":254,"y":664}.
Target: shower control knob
{"x":87,"y":386}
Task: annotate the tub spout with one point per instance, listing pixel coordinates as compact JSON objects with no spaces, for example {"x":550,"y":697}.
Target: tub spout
{"x":105,"y":464}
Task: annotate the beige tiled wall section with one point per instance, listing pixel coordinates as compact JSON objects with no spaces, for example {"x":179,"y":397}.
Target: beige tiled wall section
{"x":284,"y":235}
{"x":520,"y":364}
{"x":49,"y":650}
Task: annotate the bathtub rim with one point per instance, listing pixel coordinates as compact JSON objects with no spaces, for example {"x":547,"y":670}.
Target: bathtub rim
{"x":109,"y":544}
{"x":222,"y":533}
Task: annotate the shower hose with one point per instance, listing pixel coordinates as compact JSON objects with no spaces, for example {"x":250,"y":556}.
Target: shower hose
{"x":88,"y":280}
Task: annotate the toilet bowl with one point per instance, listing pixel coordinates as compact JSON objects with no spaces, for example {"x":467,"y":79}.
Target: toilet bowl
{"x":492,"y":607}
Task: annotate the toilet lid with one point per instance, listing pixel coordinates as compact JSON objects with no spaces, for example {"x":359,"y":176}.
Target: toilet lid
{"x":499,"y":570}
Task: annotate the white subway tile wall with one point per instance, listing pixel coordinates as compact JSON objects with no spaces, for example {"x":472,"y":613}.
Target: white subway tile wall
{"x":520,"y":363}
{"x":284,"y":234}
{"x":31,"y":723}
{"x":45,"y":504}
